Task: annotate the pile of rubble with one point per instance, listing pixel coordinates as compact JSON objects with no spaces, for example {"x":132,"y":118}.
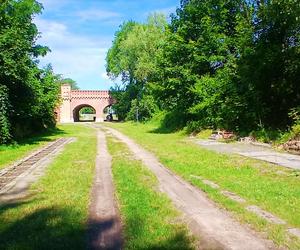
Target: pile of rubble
{"x":222,"y":134}
{"x":292,"y":146}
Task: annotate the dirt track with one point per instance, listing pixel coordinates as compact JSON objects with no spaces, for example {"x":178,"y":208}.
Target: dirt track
{"x":215,"y":228}
{"x":104,"y":226}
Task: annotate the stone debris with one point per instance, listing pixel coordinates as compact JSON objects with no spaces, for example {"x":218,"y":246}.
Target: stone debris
{"x":248,"y":139}
{"x":211,"y":184}
{"x":292,"y":146}
{"x":221,"y":134}
{"x":233,"y":196}
{"x":265,"y":215}
{"x":197,"y":177}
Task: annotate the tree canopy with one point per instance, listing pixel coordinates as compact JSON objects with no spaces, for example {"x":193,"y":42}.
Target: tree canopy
{"x":218,"y":63}
{"x":131,"y":58}
{"x":28,"y":95}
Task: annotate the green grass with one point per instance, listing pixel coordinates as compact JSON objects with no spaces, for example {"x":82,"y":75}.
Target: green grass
{"x":204,"y":134}
{"x":54,"y":215}
{"x":150,"y":221}
{"x":258,"y":182}
{"x":13,"y":152}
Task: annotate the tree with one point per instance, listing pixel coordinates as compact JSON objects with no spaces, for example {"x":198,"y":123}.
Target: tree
{"x":28,"y":93}
{"x":219,"y":64}
{"x":199,"y":60}
{"x":131,"y":57}
{"x":271,"y":68}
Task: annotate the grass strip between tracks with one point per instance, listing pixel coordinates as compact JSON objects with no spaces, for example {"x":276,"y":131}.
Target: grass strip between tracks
{"x":55,"y":214}
{"x":275,"y":189}
{"x":149,"y":219}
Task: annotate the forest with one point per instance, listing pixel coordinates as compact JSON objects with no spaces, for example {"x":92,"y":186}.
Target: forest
{"x":216,"y":64}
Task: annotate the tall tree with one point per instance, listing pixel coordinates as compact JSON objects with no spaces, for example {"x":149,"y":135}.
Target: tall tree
{"x":132,"y":58}
{"x":199,"y":61}
{"x":25,"y":85}
{"x":271,"y":69}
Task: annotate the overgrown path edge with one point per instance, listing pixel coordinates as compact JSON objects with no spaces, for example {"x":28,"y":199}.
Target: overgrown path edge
{"x":215,"y":228}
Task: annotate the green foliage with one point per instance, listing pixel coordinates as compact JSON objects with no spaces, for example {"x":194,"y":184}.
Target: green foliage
{"x":131,"y":58}
{"x":219,"y":64}
{"x":124,"y":95}
{"x":4,"y":122}
{"x":142,"y":110}
{"x":31,"y":93}
{"x":199,"y":63}
{"x":270,"y":69}
{"x":87,"y":110}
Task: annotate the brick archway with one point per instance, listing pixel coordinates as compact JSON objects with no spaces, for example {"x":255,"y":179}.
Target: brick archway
{"x":76,"y":110}
{"x":72,"y":99}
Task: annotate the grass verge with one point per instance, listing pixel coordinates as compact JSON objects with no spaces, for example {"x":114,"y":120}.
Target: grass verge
{"x":54,"y":216}
{"x":150,"y":221}
{"x":13,"y":152}
{"x":275,"y":189}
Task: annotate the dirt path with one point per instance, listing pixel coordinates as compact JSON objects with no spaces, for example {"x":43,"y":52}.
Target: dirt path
{"x":104,"y":226}
{"x":216,"y":229}
{"x":252,"y":151}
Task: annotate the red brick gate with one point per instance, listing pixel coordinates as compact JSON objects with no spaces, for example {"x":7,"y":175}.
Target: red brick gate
{"x":73,"y":100}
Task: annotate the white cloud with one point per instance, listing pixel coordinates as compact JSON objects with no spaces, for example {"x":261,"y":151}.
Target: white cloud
{"x":94,"y":14}
{"x":105,"y":76}
{"x":78,"y":57}
{"x":53,"y":4}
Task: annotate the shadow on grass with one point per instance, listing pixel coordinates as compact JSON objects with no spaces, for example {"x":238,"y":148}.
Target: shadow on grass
{"x":47,"y":228}
{"x":140,"y":237}
{"x":170,"y":122}
{"x":57,"y":228}
{"x":178,"y":242}
{"x":36,"y":138}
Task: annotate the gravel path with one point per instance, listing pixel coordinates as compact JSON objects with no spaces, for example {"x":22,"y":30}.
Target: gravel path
{"x":252,"y":151}
{"x":215,"y":228}
{"x":104,"y":226}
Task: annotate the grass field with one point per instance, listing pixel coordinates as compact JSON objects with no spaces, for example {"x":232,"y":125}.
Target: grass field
{"x":54,"y":216}
{"x":275,"y":189}
{"x":150,"y":221}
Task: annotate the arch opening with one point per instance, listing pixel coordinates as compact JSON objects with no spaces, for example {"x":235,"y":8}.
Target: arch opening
{"x":84,"y":113}
{"x":109,"y":114}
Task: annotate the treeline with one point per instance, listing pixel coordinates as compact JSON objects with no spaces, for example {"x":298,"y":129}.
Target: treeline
{"x":229,"y":64}
{"x":28,"y":94}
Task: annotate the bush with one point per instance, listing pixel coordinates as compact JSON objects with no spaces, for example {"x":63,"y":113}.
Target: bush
{"x":194,"y":127}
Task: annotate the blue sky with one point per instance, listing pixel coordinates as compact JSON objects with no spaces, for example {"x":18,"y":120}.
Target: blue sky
{"x":79,"y":33}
